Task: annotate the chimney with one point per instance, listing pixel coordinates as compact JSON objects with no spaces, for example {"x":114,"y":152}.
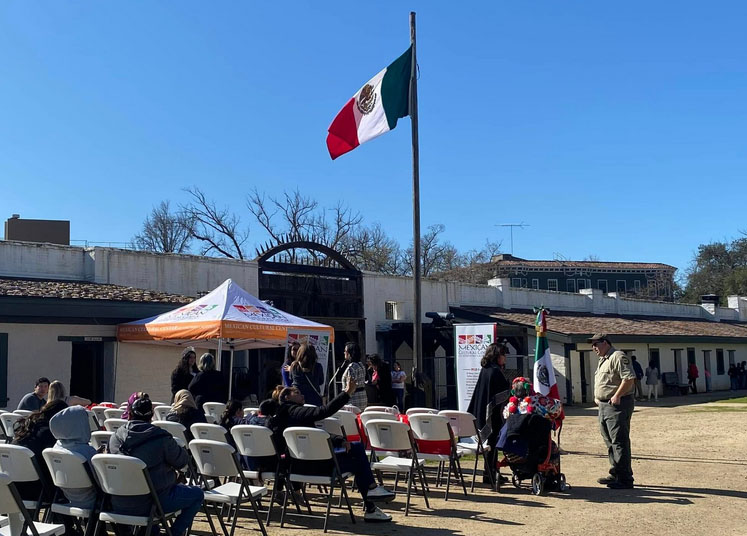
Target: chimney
{"x":709,"y":302}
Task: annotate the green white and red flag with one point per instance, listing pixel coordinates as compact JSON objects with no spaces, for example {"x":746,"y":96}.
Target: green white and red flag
{"x":544,"y":374}
{"x":374,"y":109}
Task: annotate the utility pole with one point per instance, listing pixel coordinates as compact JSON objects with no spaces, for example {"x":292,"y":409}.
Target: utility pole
{"x":521,"y":225}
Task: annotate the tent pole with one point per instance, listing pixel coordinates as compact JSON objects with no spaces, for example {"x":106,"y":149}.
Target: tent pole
{"x":334,"y":367}
{"x":230,"y":376}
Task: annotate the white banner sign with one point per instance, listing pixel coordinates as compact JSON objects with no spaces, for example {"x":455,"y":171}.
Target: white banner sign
{"x":319,"y":340}
{"x":471,"y":341}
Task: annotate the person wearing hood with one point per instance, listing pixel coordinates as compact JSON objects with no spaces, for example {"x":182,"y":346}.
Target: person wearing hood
{"x":73,"y":432}
{"x":163,"y":457}
{"x":185,"y":412}
{"x":134,"y":396}
{"x":209,"y":384}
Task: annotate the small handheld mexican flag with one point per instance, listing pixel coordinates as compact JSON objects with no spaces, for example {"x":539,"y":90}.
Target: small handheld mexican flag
{"x":374,"y":109}
{"x":544,"y":374}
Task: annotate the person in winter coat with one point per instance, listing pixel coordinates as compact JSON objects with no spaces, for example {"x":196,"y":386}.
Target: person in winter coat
{"x":292,"y":412}
{"x":185,"y":412}
{"x":490,"y":382}
{"x":34,"y":434}
{"x":692,"y":376}
{"x":307,"y":374}
{"x":184,"y":372}
{"x":285,"y":368}
{"x":73,"y":432}
{"x":163,"y":457}
{"x":382,"y":379}
{"x":209,"y":384}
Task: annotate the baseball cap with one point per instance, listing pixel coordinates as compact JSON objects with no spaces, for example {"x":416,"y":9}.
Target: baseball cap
{"x":599,"y":337}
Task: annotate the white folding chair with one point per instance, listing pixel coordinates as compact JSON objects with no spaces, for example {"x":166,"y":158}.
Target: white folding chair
{"x":23,"y":412}
{"x":111,"y":425}
{"x":177,"y":430}
{"x":214,"y":410}
{"x":99,"y":412}
{"x":126,"y":476}
{"x":256,"y":442}
{"x":156,"y":404}
{"x":385,"y":409}
{"x":416,"y":411}
{"x":113,"y":413}
{"x":248,"y":412}
{"x":394,"y":436}
{"x":20,"y":464}
{"x":434,"y":438}
{"x":307,"y":447}
{"x":349,"y":423}
{"x":352,"y":409}
{"x":464,"y":426}
{"x":93,"y":422}
{"x":330,"y":425}
{"x":100,"y":438}
{"x":217,"y":459}
{"x":160,"y":412}
{"x":12,"y":505}
{"x":9,"y":420}
{"x":367,"y":416}
{"x":69,"y":470}
{"x":213,"y":432}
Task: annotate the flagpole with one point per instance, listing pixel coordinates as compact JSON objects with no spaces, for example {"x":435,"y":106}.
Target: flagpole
{"x":417,"y":335}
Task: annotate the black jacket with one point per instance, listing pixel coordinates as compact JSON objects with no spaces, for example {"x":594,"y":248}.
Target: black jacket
{"x":187,"y":419}
{"x":384,"y":385}
{"x":180,"y":380}
{"x":209,"y":386}
{"x":290,"y":414}
{"x":490,"y":382}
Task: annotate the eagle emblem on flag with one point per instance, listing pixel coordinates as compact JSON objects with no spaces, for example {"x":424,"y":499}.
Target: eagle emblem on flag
{"x":542,"y":375}
{"x":366,"y":101}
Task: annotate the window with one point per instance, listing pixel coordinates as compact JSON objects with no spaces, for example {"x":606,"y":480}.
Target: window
{"x":391,"y":310}
{"x":516,"y":282}
{"x":602,"y":285}
{"x":690,"y":356}
{"x":653,"y":356}
{"x":570,"y":285}
{"x":621,"y":286}
{"x":637,"y":286}
{"x":731,"y":357}
{"x":535,"y":284}
{"x":720,"y":368}
{"x":583,"y":283}
{"x":651,"y":285}
{"x":552,"y":284}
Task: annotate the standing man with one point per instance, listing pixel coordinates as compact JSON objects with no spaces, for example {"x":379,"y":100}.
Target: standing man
{"x":638,"y":375}
{"x":614,"y":382}
{"x":35,"y":400}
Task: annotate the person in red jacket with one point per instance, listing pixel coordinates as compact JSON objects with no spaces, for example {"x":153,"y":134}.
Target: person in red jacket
{"x":692,"y":375}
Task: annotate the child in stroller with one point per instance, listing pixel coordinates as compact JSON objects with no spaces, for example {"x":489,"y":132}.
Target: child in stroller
{"x":526,"y":439}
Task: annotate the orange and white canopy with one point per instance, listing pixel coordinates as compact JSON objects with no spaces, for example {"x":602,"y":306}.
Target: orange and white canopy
{"x":229,"y":314}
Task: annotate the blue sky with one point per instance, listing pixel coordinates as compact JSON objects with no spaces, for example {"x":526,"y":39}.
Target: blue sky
{"x":614,"y":129}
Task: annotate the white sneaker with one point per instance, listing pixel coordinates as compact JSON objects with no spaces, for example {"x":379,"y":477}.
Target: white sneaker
{"x":380,"y":493}
{"x":377,"y":516}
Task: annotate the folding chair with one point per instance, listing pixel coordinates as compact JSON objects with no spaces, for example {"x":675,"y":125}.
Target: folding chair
{"x":367,"y":416}
{"x":9,"y":420}
{"x":331,"y":425}
{"x":394,"y":436}
{"x":214,"y":410}
{"x":177,"y":430}
{"x":20,"y":464}
{"x":352,"y":409}
{"x":113,"y":413}
{"x":99,"y":412}
{"x":218,"y":459}
{"x":248,"y":412}
{"x":213,"y":432}
{"x":313,"y":445}
{"x":12,"y":506}
{"x":100,"y":438}
{"x":435,"y":441}
{"x":256,"y":442}
{"x":385,"y":409}
{"x":111,"y":425}
{"x":126,"y":476}
{"x":416,"y":411}
{"x":23,"y":412}
{"x":464,"y":425}
{"x":350,"y":424}
{"x":160,"y":412}
{"x":156,"y":404}
{"x":70,"y":470}
{"x":93,"y":422}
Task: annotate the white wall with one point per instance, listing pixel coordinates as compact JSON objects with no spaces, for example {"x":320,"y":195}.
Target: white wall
{"x":32,"y":260}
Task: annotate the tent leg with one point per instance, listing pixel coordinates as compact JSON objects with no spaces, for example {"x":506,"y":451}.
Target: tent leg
{"x":230,"y":377}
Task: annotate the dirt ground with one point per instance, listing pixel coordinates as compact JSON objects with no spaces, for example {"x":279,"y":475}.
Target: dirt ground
{"x":690,"y":466}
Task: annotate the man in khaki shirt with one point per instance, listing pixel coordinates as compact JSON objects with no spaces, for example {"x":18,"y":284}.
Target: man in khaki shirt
{"x":614,"y":382}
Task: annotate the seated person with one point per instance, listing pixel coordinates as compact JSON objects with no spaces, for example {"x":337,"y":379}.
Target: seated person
{"x":185,"y":412}
{"x":57,"y":392}
{"x":158,"y":449}
{"x":71,"y":428}
{"x":34,"y":400}
{"x":267,"y":408}
{"x":352,"y":456}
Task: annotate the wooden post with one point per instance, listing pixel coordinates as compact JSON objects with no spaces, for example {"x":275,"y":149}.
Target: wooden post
{"x":417,"y":335}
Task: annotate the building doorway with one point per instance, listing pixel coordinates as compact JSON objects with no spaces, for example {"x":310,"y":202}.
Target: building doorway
{"x":88,"y":377}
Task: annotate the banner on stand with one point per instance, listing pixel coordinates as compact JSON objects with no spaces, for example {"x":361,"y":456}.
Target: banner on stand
{"x":471,"y":340}
{"x":319,"y":340}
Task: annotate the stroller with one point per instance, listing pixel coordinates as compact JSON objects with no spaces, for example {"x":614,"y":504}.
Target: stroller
{"x":530,"y":452}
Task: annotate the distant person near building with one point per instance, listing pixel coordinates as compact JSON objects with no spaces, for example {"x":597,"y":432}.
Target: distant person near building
{"x":34,"y":400}
{"x":652,"y":380}
{"x":692,"y":377}
{"x":638,"y":376}
{"x":614,"y":382}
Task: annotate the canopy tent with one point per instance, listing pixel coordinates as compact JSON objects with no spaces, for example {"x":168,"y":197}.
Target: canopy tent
{"x":227,"y":317}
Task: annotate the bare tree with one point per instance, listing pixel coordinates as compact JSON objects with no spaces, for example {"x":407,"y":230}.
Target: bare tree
{"x":218,"y":229}
{"x":370,"y":248}
{"x":164,"y":231}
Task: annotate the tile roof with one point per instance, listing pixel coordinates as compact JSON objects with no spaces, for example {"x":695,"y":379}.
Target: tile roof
{"x":585,"y":324}
{"x":84,"y":290}
{"x":595,"y":265}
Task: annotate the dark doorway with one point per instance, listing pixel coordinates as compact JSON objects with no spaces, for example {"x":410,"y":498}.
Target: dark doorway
{"x":87,"y":371}
{"x":583,"y":358}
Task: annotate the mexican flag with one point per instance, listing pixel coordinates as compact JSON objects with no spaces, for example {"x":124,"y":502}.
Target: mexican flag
{"x":374,"y":109}
{"x":544,"y":374}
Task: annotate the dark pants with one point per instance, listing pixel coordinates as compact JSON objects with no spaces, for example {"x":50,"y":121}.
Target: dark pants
{"x":399,"y":394}
{"x":638,"y":388}
{"x":355,"y":461}
{"x":614,"y":424}
{"x":693,"y":386}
